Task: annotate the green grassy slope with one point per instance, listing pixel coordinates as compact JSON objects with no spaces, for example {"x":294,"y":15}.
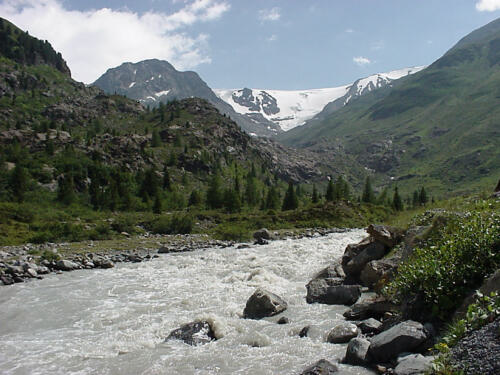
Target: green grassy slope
{"x":440,"y":127}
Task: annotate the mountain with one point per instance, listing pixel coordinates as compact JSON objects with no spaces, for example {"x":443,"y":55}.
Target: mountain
{"x":439,"y":127}
{"x":291,"y":108}
{"x":156,"y":81}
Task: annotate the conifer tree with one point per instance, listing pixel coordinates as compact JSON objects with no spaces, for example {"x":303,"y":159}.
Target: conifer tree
{"x":290,"y":202}
{"x":330,"y":192}
{"x":251,"y":192}
{"x":66,"y":189}
{"x":423,"y":197}
{"x":214,"y":193}
{"x":416,"y":199}
{"x":272,"y":199}
{"x":368,"y":193}
{"x":155,"y":139}
{"x":167,"y":185}
{"x":397,"y":203}
{"x":315,"y":197}
{"x":195,"y":199}
{"x":158,"y":204}
{"x":19,"y":183}
{"x":232,"y":200}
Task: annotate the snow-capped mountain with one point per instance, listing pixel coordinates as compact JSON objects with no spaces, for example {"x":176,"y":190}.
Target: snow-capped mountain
{"x":156,"y":81}
{"x":291,"y":108}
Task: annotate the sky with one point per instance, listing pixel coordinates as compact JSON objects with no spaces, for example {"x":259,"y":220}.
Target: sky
{"x":269,"y":44}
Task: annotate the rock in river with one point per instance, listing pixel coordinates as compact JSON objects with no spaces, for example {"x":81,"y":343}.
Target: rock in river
{"x":342,"y":333}
{"x":262,"y":304}
{"x":322,"y":367}
{"x":331,"y":292}
{"x":195,"y":333}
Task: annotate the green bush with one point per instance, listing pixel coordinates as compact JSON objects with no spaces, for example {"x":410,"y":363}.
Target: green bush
{"x":439,"y":275}
{"x":124,"y":223}
{"x":177,"y":224}
{"x":232,"y":232}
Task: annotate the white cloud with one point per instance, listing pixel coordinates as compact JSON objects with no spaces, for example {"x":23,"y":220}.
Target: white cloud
{"x":95,"y":40}
{"x":272,"y":38}
{"x":488,"y":5}
{"x":270,"y":14}
{"x":349,"y":31}
{"x":361,"y":61}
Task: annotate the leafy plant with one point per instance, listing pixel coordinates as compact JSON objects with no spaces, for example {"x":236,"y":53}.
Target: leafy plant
{"x":439,"y":275}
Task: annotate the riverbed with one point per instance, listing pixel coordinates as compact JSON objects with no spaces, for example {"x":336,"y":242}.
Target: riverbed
{"x":115,"y":321}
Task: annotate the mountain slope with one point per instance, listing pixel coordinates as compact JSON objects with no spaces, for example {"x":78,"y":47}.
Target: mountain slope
{"x":439,"y":127}
{"x":291,"y":108}
{"x":155,"y":81}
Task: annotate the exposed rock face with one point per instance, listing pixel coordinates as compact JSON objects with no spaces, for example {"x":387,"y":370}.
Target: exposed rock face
{"x":356,"y":256}
{"x":389,"y":236}
{"x":413,"y":364}
{"x":322,"y":367}
{"x":156,"y":81}
{"x":342,"y":333}
{"x":332,"y":292}
{"x":357,"y":352}
{"x":263,"y":304}
{"x":479,"y":351}
{"x":403,"y":337}
{"x":195,"y":333}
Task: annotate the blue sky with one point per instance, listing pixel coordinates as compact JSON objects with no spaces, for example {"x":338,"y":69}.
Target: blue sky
{"x":275,"y":44}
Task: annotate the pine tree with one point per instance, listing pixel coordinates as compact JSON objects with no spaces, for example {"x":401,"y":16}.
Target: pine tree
{"x":272,"y":199}
{"x":158,"y":204}
{"x":416,"y":199}
{"x":330,"y":192}
{"x":368,"y":193}
{"x":195,"y":199}
{"x":397,"y":203}
{"x":232,"y":200}
{"x":66,"y":189}
{"x":315,"y":198}
{"x":166,"y":180}
{"x":423,"y":197}
{"x":150,"y":185}
{"x":214,"y":194}
{"x":251,"y":192}
{"x":19,"y":183}
{"x":290,"y":202}
{"x":155,"y":139}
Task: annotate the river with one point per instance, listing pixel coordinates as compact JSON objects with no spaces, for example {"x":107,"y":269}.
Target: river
{"x":115,"y":321}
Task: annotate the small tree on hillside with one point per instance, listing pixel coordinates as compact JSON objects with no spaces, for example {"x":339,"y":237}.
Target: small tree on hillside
{"x":368,"y":193}
{"x":315,"y":197}
{"x":397,"y":203}
{"x":330,"y":192}
{"x":290,"y":202}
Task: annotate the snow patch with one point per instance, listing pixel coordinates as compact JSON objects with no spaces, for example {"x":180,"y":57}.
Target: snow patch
{"x":131,"y":85}
{"x":161,"y":93}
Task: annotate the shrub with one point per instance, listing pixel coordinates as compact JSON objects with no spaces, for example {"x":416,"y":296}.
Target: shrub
{"x":177,"y":224}
{"x":124,"y":223}
{"x":232,"y":232}
{"x":439,"y":275}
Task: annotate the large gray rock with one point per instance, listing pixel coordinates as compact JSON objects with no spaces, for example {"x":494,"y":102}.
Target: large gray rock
{"x":332,"y":292}
{"x":342,"y":333}
{"x":389,"y":236}
{"x":66,"y":265}
{"x":262,"y":304}
{"x":358,"y":255}
{"x":370,"y":326}
{"x":322,"y":367}
{"x":262,"y":234}
{"x":375,"y":270}
{"x":357,"y":352}
{"x":370,"y":308}
{"x":403,"y":337}
{"x":413,"y":364}
{"x":195,"y":333}
{"x":332,"y":271}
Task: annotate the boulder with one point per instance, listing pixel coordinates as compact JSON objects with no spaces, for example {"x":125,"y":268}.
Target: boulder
{"x":283,"y":320}
{"x":66,"y":265}
{"x":389,"y":236}
{"x":164,"y":250}
{"x":322,"y":367}
{"x":262,"y":234}
{"x":195,"y":333}
{"x":304,"y":331}
{"x":357,"y":352}
{"x":342,"y":333}
{"x":354,"y":266}
{"x":262,"y":304}
{"x":413,"y":364}
{"x":106,"y":263}
{"x":370,"y":308}
{"x":334,"y":270}
{"x":375,"y":270}
{"x":332,"y":292}
{"x":369,"y":326}
{"x":6,"y":280}
{"x":403,"y":337}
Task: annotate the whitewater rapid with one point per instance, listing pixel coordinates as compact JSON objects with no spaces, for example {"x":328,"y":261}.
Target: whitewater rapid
{"x":115,"y":321}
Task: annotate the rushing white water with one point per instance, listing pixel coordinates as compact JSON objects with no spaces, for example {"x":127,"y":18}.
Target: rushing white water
{"x":115,"y":321}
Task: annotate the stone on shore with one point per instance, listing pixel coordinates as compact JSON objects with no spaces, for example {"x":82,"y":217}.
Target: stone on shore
{"x":262,"y":304}
{"x":413,"y":364}
{"x":322,"y":367}
{"x":332,"y":292}
{"x":342,"y":333}
{"x":195,"y":333}
{"x":403,"y":337}
{"x":369,"y":326}
{"x":262,"y":234}
{"x":357,"y":352}
{"x":66,"y":265}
